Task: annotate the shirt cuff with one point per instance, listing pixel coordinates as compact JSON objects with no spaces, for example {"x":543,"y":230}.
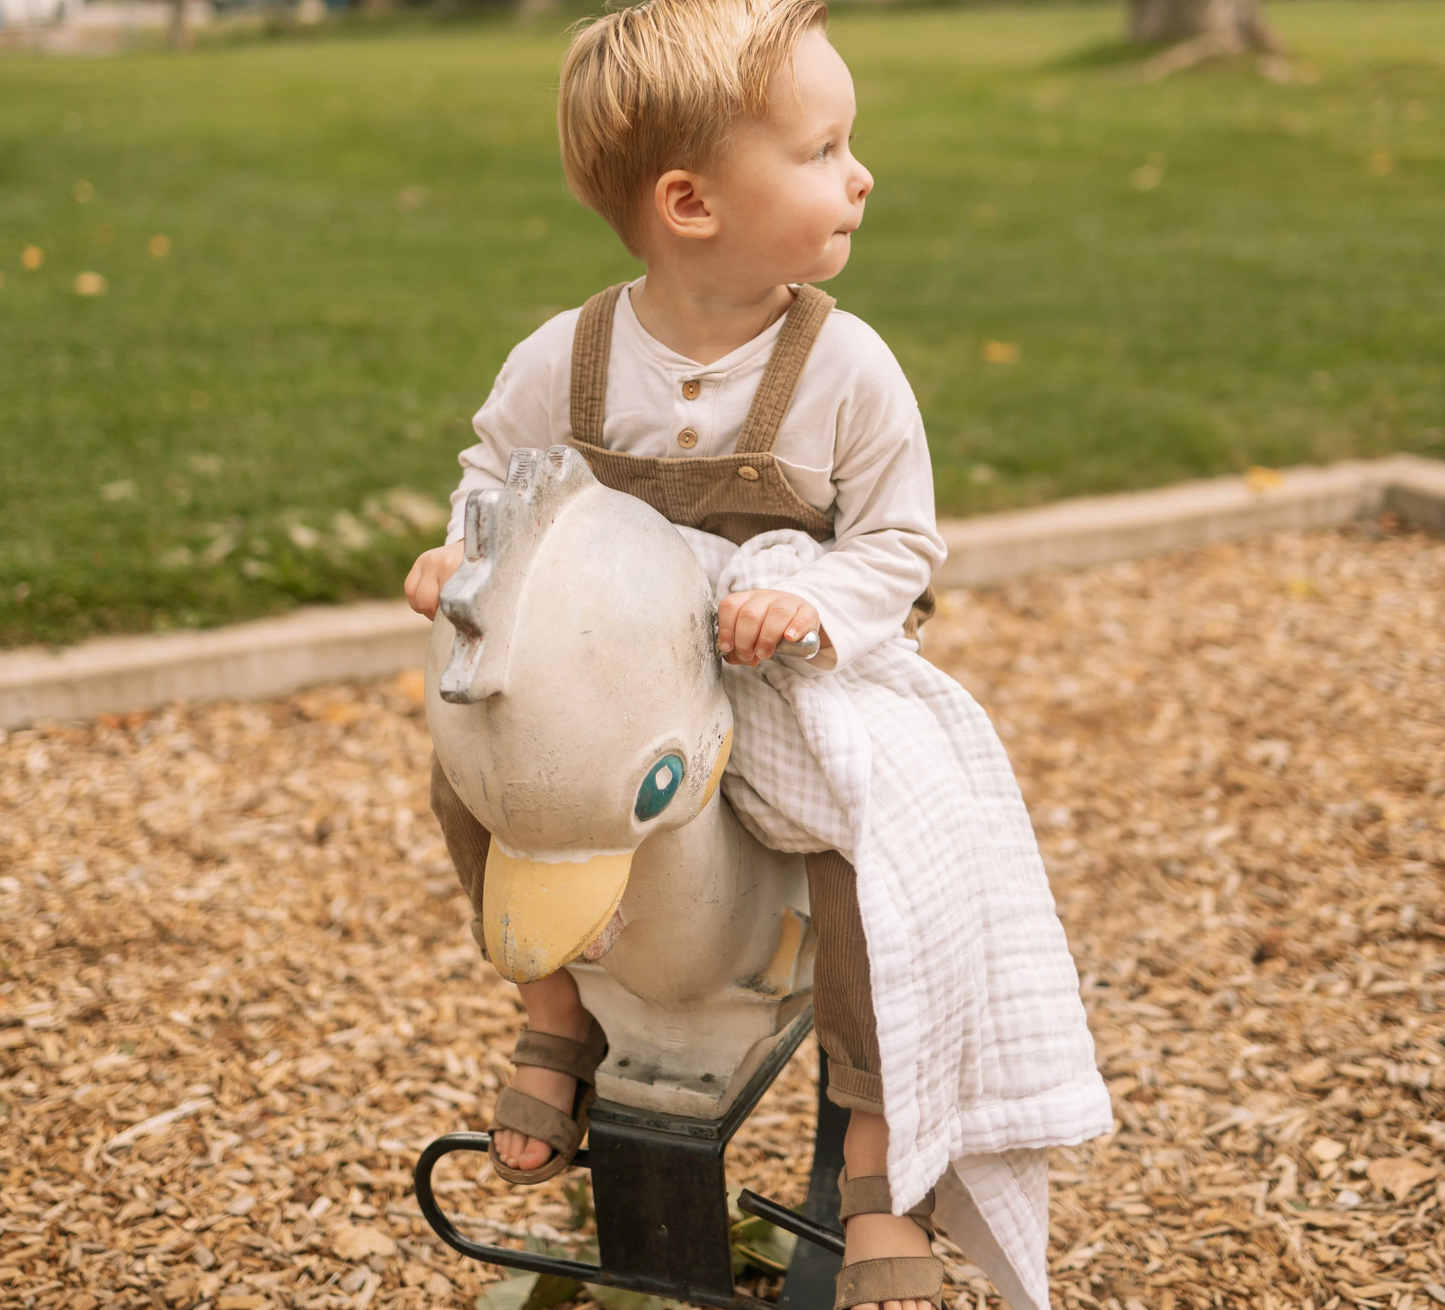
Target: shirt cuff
{"x":839,"y":634}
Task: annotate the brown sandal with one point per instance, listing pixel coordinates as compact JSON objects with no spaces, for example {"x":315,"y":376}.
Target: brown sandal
{"x":525,"y":1114}
{"x":898,"y":1278}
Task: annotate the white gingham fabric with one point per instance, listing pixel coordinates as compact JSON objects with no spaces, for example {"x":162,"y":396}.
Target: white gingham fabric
{"x":987,"y":1057}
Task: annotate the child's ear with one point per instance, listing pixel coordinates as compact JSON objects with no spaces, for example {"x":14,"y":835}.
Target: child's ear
{"x":682,"y":206}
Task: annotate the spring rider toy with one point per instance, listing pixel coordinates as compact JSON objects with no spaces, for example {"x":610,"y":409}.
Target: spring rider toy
{"x":576,"y":703}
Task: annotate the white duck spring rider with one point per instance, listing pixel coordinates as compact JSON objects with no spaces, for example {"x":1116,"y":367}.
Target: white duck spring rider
{"x":576,"y":703}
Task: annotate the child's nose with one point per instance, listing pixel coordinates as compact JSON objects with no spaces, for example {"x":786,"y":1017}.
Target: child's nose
{"x":863,"y":184}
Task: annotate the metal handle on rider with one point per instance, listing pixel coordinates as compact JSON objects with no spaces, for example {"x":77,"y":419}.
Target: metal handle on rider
{"x":804,"y":649}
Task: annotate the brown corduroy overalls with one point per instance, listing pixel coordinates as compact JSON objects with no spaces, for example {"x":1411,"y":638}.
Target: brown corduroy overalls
{"x":735,"y":496}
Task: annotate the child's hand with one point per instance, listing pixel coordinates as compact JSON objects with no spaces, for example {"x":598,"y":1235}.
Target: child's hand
{"x":751,"y":623}
{"x":429,"y":575}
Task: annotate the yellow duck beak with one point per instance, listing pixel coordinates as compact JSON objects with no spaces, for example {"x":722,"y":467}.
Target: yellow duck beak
{"x":537,"y":917}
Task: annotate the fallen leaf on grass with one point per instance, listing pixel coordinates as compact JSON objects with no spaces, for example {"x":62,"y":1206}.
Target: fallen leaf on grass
{"x":302,"y":537}
{"x":123,"y":489}
{"x":420,"y":512}
{"x":349,"y":531}
{"x":1146,"y":177}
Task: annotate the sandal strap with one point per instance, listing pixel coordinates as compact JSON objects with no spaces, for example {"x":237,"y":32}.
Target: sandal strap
{"x":533,"y":1118}
{"x":549,"y":1051}
{"x":871,"y":1195}
{"x":900,"y":1278}
{"x":867,"y":1195}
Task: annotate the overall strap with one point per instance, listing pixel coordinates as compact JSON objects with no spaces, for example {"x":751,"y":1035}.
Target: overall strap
{"x":785,"y":366}
{"x":591,"y":348}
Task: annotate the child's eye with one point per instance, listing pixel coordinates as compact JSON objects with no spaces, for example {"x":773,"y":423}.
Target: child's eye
{"x":825,"y":151}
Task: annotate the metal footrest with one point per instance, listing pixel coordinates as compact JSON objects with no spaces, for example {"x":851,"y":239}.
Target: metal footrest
{"x":659,"y":1192}
{"x":790,"y":1221}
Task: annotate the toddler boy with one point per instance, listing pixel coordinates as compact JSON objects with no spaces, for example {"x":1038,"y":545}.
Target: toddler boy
{"x":714,"y":137}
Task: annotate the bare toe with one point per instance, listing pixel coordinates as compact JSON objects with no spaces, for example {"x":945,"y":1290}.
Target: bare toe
{"x":534,"y":1155}
{"x":518,"y":1151}
{"x":508,"y":1144}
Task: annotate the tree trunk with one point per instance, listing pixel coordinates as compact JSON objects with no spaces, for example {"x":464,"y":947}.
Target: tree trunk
{"x":1200,"y":29}
{"x":182,"y":37}
{"x":1167,"y":22}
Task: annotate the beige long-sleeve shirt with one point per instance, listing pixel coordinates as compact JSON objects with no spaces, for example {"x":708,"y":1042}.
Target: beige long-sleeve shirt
{"x":852,"y":442}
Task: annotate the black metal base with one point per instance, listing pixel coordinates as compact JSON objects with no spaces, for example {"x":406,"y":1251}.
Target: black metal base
{"x":659,"y":1192}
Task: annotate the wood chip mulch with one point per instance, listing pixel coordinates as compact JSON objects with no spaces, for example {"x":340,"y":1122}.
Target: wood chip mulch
{"x":238,"y":992}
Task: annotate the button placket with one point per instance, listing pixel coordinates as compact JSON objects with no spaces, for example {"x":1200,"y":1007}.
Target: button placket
{"x":688,"y":437}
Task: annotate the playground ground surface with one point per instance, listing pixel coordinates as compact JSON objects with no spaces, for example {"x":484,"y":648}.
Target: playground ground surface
{"x":251,"y":297}
{"x":238,"y":994}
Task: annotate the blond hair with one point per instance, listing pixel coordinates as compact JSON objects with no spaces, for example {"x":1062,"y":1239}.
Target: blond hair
{"x":660,"y":85}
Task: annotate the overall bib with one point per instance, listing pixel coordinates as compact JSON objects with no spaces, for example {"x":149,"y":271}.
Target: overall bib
{"x":735,"y":496}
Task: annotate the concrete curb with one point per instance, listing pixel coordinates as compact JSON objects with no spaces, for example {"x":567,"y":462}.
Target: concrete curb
{"x":1098,"y":529}
{"x":378,"y":638}
{"x":246,"y":662}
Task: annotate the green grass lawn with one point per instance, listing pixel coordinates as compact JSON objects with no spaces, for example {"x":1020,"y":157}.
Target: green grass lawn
{"x":1197,"y":275}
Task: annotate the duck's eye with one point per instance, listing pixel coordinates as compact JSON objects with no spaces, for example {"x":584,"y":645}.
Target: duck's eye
{"x":659,"y":787}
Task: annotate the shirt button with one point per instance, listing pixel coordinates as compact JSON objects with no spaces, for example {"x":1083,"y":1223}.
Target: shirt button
{"x":748,"y":473}
{"x":691,"y":389}
{"x":687,"y":438}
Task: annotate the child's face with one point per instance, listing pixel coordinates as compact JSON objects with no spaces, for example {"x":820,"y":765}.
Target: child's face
{"x":789,"y":192}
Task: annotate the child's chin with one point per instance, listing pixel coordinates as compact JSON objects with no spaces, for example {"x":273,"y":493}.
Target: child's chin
{"x":833,"y":262}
